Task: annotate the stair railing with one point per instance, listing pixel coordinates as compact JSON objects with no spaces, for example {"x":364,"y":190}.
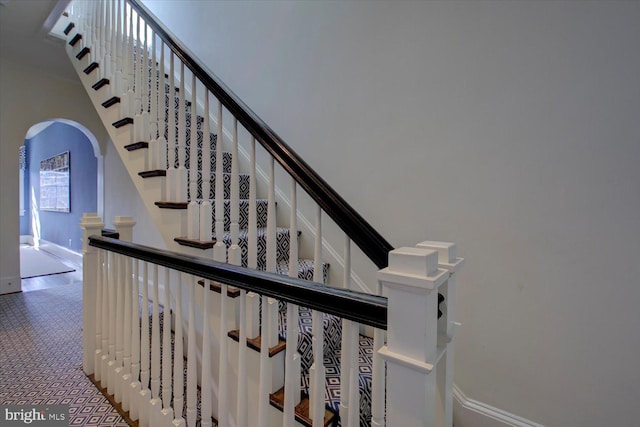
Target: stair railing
{"x":146,"y":91}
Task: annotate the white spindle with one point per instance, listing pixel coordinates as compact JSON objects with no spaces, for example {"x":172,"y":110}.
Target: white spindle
{"x":145,"y":392}
{"x":113,"y":285}
{"x":193,"y":209}
{"x":292,"y":365}
{"x":126,"y":357}
{"x":352,"y":416}
{"x":104,"y":299}
{"x":265,"y":369}
{"x":223,"y":401}
{"x":271,"y":220}
{"x":253,"y":321}
{"x":346,"y":356}
{"x":172,"y":177}
{"x":377,"y":386}
{"x":119,"y":328}
{"x":134,"y":388}
{"x":178,"y":368}
{"x":181,"y":184}
{"x":220,"y":249}
{"x":100,"y":284}
{"x":153,"y":162}
{"x":192,"y":369}
{"x":316,"y":397}
{"x":206,"y":211}
{"x":144,"y":89}
{"x":242,"y":398}
{"x":155,"y":402}
{"x":167,"y":412}
{"x":161,"y":143}
{"x":105,"y":67}
{"x":235,"y":253}
{"x":117,"y":53}
{"x":207,"y":409}
{"x":138,"y":70}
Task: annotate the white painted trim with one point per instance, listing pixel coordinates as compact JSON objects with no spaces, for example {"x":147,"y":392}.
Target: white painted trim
{"x":26,"y":239}
{"x":61,"y":251}
{"x":9,"y":285}
{"x":471,"y":413}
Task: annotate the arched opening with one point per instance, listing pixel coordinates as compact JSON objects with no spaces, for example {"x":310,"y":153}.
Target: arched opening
{"x":62,"y":179}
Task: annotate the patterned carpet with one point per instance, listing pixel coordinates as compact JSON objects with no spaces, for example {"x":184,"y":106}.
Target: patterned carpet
{"x":41,"y":356}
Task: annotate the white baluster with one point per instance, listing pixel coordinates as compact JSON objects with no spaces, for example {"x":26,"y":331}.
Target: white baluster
{"x":144,"y":89}
{"x":220,"y":248}
{"x":104,"y":298}
{"x":271,"y":256}
{"x":155,"y":404}
{"x":193,"y":209}
{"x":316,"y":397}
{"x":265,"y":369}
{"x":352,"y":416}
{"x":207,"y":409}
{"x":134,"y":385}
{"x":223,"y":401}
{"x":346,"y":356}
{"x":161,"y":143}
{"x":138,"y":71}
{"x":242,"y":398}
{"x":172,"y":172}
{"x":253,"y":321}
{"x":153,"y":162}
{"x":206,"y":211}
{"x":126,"y":356}
{"x":292,"y":366}
{"x":105,"y":67}
{"x":119,"y":329}
{"x":182,"y":179}
{"x":178,"y":368}
{"x":167,"y":411}
{"x":117,"y":54}
{"x":145,"y":393}
{"x":99,"y":285}
{"x":192,"y":369}
{"x":113,"y":284}
{"x":235,"y":253}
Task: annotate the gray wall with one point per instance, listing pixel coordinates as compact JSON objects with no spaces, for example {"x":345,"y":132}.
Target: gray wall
{"x":510,"y":128}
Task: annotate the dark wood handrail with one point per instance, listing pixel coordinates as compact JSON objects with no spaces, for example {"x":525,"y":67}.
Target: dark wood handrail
{"x":363,"y":308}
{"x":345,"y":216}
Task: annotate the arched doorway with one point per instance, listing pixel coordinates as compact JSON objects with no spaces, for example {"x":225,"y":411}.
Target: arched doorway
{"x":48,"y":146}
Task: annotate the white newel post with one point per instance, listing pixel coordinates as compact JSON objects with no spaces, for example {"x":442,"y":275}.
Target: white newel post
{"x":124,"y":227}
{"x":91,"y":224}
{"x":411,"y":284}
{"x":447,"y":324}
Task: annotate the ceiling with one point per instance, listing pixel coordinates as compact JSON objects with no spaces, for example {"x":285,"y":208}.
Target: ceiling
{"x":25,"y":27}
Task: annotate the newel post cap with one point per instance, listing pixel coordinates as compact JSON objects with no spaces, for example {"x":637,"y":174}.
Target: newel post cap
{"x":91,"y":224}
{"x":413,"y":267}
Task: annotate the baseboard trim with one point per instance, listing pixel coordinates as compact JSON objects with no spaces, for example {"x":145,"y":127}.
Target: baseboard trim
{"x":9,"y":285}
{"x":61,"y":251}
{"x":471,"y":413}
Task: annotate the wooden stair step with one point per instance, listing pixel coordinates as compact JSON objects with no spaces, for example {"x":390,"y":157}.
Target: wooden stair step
{"x":91,"y":67}
{"x":232,"y":291}
{"x":100,"y":84}
{"x":256,"y":343}
{"x":69,"y":28}
{"x":153,"y":173}
{"x":75,"y":39}
{"x":111,"y":101}
{"x":85,"y":50}
{"x":136,"y":146}
{"x":172,"y":205}
{"x":123,"y":122}
{"x":276,"y":400}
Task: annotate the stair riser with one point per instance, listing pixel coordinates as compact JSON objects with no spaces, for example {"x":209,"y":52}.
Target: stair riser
{"x":261,"y":206}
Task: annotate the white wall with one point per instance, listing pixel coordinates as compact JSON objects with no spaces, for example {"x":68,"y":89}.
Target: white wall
{"x":122,"y":198}
{"x":510,"y":128}
{"x":29,"y":96}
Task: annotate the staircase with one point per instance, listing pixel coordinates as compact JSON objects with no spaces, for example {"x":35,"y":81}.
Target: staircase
{"x":154,"y":100}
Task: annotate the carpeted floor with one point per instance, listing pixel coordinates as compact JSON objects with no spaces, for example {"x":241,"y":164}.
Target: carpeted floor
{"x":41,"y":355}
{"x":35,"y":263}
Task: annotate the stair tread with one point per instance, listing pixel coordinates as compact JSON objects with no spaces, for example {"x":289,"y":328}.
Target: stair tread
{"x":276,"y":400}
{"x":256,"y":343}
